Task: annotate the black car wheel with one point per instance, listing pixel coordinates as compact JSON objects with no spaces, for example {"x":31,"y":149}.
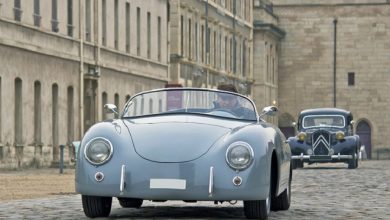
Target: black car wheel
{"x":282,"y":202}
{"x":96,"y":206}
{"x":354,"y":162}
{"x":296,"y":164}
{"x":259,"y":209}
{"x":130,"y":203}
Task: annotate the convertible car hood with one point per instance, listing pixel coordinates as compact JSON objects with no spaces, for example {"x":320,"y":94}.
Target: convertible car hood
{"x":174,"y":140}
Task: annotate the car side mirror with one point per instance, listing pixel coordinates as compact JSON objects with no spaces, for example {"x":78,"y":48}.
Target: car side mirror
{"x":294,"y":124}
{"x":111,"y":108}
{"x":352,"y":122}
{"x":269,"y":110}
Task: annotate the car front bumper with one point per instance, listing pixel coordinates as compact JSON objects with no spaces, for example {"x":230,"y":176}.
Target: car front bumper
{"x":321,"y":158}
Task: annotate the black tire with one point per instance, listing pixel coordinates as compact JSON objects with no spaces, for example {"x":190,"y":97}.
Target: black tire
{"x":295,"y":164}
{"x":258,"y":209}
{"x":283,"y":201}
{"x":96,"y":206}
{"x":130,"y":203}
{"x":354,"y":162}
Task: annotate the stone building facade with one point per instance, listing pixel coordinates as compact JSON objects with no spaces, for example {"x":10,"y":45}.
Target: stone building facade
{"x":211,"y":43}
{"x":349,"y":70}
{"x":61,"y":60}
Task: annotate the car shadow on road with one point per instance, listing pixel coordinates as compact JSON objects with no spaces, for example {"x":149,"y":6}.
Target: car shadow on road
{"x":190,"y":212}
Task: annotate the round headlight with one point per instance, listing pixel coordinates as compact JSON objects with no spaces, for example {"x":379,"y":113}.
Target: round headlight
{"x":239,"y":155}
{"x":301,"y":136}
{"x":98,"y":151}
{"x":340,"y":135}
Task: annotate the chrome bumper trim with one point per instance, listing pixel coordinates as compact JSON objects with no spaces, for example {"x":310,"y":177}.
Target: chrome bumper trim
{"x":122,"y":182}
{"x":211,"y":181}
{"x":307,"y":157}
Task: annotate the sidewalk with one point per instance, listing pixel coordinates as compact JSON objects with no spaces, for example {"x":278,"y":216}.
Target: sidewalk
{"x":35,"y":183}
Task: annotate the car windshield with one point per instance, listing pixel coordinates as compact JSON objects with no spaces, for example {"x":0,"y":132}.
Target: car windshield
{"x":191,"y":101}
{"x":310,"y":121}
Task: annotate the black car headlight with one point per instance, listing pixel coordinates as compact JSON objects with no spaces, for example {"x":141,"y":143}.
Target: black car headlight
{"x":239,"y":155}
{"x":98,"y":151}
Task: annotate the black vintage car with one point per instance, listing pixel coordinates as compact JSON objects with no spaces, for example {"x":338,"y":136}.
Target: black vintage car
{"x":325,"y":135}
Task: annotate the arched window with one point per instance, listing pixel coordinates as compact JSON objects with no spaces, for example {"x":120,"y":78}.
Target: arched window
{"x":116,"y":100}
{"x":18,"y":112}
{"x":104,"y":101}
{"x":70,"y":115}
{"x":37,"y":114}
{"x":54,"y":90}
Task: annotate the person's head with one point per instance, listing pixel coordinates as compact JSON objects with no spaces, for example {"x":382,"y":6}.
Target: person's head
{"x":227,"y":87}
{"x":227,"y":100}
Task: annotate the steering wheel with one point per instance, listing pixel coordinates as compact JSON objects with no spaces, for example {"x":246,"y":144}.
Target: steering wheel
{"x":225,"y":110}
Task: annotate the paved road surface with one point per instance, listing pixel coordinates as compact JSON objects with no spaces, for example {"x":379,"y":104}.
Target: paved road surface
{"x":324,"y":191}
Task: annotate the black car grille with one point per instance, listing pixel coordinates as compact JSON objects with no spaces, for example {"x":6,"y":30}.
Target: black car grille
{"x":321,"y":142}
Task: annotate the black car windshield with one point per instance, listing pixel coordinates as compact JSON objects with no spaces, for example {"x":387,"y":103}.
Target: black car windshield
{"x":191,"y":101}
{"x":311,"y":121}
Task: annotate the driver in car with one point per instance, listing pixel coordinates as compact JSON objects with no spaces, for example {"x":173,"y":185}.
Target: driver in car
{"x":230,"y":102}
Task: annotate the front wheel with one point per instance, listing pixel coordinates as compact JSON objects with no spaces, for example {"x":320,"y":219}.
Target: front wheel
{"x":354,"y":162}
{"x":283,"y":201}
{"x":258,"y":209}
{"x":296,"y":164}
{"x":96,"y":206}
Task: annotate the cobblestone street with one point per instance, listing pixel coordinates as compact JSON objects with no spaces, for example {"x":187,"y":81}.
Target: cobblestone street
{"x":323,"y":191}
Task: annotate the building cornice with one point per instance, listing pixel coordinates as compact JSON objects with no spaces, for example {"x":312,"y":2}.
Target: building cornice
{"x":269,"y":28}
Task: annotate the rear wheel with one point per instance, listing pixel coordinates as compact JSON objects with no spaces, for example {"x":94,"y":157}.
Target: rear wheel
{"x":130,"y":203}
{"x":96,"y":206}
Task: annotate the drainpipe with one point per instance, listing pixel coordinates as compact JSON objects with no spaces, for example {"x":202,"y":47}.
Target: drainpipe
{"x":334,"y":60}
{"x":81,"y":91}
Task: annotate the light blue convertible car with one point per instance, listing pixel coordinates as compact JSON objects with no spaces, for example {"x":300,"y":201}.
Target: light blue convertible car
{"x":185,"y":144}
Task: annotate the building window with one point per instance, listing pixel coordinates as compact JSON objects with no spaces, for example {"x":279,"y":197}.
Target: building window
{"x":55,"y":119}
{"x":244,"y":58}
{"x":70,"y":115}
{"x":150,"y":106}
{"x":127,"y":98}
{"x":36,"y":15}
{"x":226,"y":53}
{"x":182,"y":35}
{"x":196,"y":42}
{"x":88,"y":20}
{"x":70,"y":18}
{"x":215,"y":49}
{"x":104,"y":23}
{"x":189,"y":38}
{"x":220,"y":50}
{"x":138,"y":31}
{"x":54,"y":19}
{"x":159,"y":38}
{"x":128,"y":27}
{"x":18,"y":10}
{"x":104,"y":101}
{"x":18,"y":112}
{"x":116,"y":25}
{"x":149,"y":35}
{"x":202,"y":44}
{"x":37,"y":113}
{"x":116,"y":100}
{"x":351,"y":79}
